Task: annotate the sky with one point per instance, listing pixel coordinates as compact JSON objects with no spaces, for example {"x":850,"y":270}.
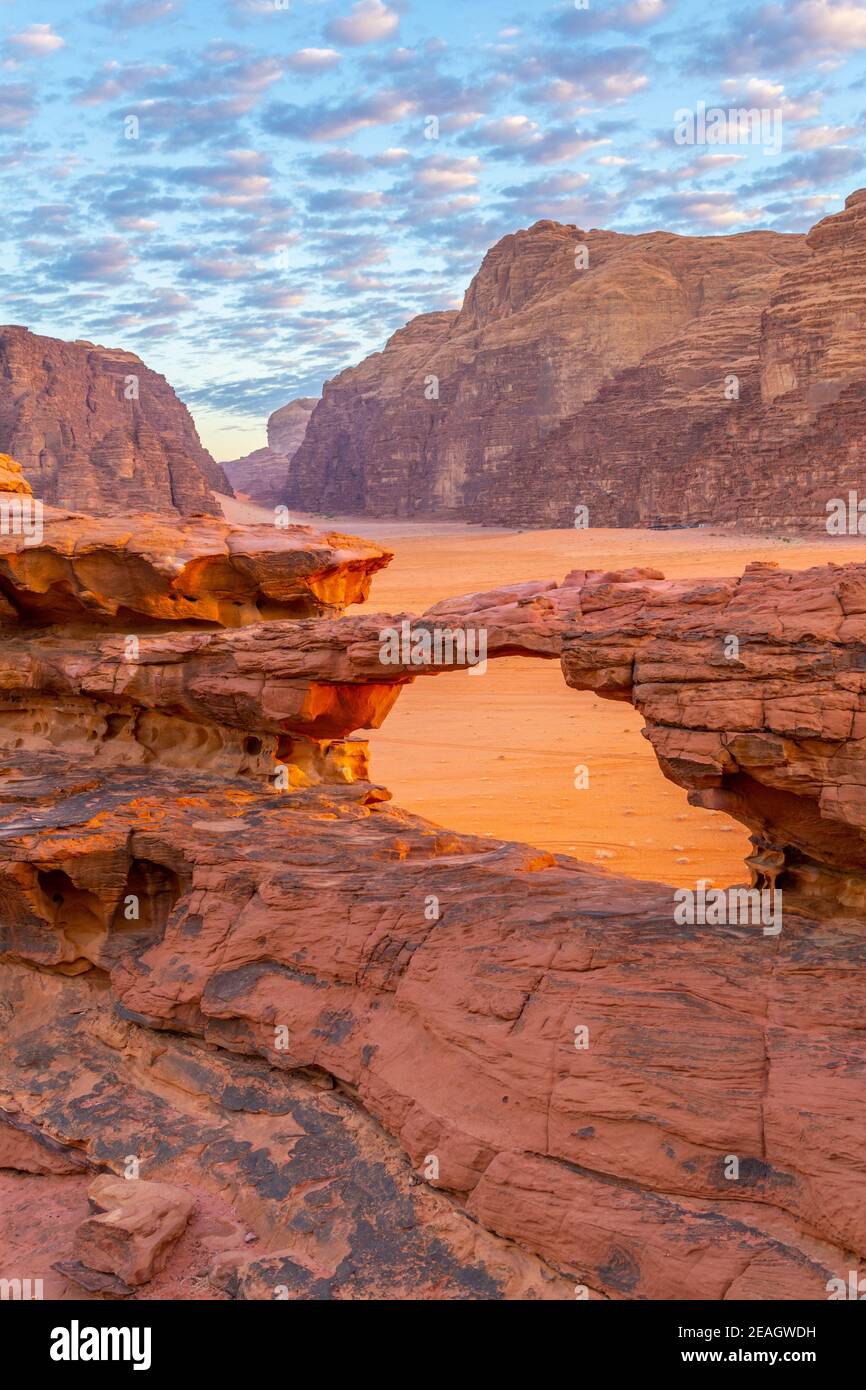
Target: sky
{"x":254,"y":194}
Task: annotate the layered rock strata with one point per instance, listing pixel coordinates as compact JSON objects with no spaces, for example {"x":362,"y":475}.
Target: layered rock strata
{"x":655,"y":380}
{"x":94,"y":428}
{"x":415,"y":1063}
{"x":142,"y":570}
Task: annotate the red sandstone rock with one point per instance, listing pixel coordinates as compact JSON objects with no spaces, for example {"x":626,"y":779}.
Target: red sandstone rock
{"x":457,"y":1035}
{"x":11,"y":477}
{"x":537,"y":341}
{"x":673,"y":381}
{"x":264,"y":474}
{"x":120,"y":572}
{"x":359,"y":1022}
{"x":95,"y":428}
{"x":133,"y":1227}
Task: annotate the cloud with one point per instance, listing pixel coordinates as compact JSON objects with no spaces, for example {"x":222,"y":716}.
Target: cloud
{"x":337,"y":121}
{"x":105,"y":261}
{"x":634,"y":14}
{"x":115,"y":79}
{"x":344,"y":200}
{"x":369,"y":20}
{"x":214,"y":270}
{"x":313,"y":59}
{"x":394,"y":155}
{"x":554,"y":186}
{"x":565,"y":77}
{"x":518,"y":137}
{"x":242,"y":9}
{"x":17,"y":106}
{"x":243,"y":177}
{"x":758,"y":92}
{"x":810,"y":171}
{"x":346,"y":163}
{"x":504,"y":131}
{"x":36,"y":42}
{"x":136,"y":224}
{"x":776,"y":36}
{"x":441,"y":174}
{"x":128,"y":14}
{"x":272,"y":297}
{"x":817,"y":136}
{"x":718,"y":211}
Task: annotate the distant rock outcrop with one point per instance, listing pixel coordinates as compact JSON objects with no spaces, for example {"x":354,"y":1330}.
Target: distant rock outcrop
{"x":96,"y":430}
{"x":656,"y":380}
{"x":264,"y":474}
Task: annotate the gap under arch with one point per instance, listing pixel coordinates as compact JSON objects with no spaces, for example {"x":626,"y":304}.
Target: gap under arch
{"x":496,"y":754}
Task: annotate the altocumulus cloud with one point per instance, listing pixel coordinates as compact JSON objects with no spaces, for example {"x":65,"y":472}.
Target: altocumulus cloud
{"x":128,"y":14}
{"x":106,"y":260}
{"x":17,"y":105}
{"x":368,"y":21}
{"x":39,"y":41}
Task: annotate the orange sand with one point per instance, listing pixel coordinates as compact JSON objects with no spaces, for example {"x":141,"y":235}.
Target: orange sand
{"x":496,"y":754}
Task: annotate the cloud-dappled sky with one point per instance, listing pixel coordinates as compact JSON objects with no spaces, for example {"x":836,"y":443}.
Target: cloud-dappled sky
{"x":281,"y":210}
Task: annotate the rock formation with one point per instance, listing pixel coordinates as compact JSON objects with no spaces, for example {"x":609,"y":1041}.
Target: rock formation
{"x":656,"y":380}
{"x":400,"y":1061}
{"x":95,"y":429}
{"x":264,"y":474}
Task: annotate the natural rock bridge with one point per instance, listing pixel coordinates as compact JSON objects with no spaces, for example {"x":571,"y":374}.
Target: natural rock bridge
{"x":320,"y":999}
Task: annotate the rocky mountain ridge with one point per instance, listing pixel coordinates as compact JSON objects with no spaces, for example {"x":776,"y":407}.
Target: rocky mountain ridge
{"x":655,"y":380}
{"x":97,"y":430}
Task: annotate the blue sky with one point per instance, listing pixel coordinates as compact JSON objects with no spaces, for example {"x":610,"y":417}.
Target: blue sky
{"x":283,"y":210}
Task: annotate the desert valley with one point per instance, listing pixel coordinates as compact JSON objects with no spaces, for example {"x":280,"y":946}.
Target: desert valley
{"x":433,"y":841}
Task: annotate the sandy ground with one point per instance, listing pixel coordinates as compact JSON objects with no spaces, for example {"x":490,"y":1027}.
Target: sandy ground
{"x":496,"y":754}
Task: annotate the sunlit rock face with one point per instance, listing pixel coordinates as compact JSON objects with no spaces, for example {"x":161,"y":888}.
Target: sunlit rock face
{"x":97,"y":430}
{"x":356,"y":1054}
{"x":144,"y":570}
{"x":452,"y":417}
{"x":654,"y":380}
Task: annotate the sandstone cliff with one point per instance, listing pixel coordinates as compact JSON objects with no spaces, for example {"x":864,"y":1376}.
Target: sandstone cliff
{"x":95,"y":429}
{"x":264,"y":474}
{"x":667,"y":381}
{"x":351,"y":1033}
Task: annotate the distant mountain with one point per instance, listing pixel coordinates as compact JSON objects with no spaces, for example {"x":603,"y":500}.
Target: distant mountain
{"x":264,"y":474}
{"x":658,"y":380}
{"x":96,"y":430}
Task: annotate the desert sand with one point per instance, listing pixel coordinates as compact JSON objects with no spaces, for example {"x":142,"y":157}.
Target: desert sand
{"x":496,"y":754}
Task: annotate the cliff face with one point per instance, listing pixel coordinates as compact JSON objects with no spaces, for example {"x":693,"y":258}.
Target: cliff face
{"x":96,"y":430}
{"x":353,"y":1034}
{"x":670,"y":381}
{"x":264,"y":474}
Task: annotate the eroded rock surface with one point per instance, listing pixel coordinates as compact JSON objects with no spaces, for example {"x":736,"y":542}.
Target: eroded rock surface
{"x":142,"y":569}
{"x":411,"y":1063}
{"x":94,"y":428}
{"x":656,"y":380}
